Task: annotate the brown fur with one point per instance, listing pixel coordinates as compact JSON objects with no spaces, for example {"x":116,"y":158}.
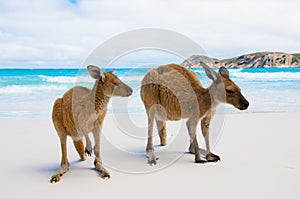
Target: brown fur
{"x":81,"y":111}
{"x":171,"y":92}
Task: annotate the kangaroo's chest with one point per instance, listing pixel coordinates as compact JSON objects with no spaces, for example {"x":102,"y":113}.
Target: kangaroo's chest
{"x":86,"y":123}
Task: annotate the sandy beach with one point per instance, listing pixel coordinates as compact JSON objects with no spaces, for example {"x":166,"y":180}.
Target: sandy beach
{"x":259,"y":153}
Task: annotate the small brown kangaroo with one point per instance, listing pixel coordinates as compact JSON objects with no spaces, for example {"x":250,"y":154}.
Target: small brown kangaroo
{"x":81,"y":111}
{"x":171,"y":92}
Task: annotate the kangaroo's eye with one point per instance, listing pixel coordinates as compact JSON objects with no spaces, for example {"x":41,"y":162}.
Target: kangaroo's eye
{"x":116,"y":83}
{"x":229,"y":91}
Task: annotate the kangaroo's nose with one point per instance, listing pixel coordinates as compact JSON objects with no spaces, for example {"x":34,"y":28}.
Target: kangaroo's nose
{"x":129,"y":92}
{"x":245,"y":104}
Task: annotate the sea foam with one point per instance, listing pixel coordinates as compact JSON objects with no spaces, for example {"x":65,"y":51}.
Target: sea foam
{"x":82,"y":79}
{"x":22,"y":89}
{"x":267,"y":75}
{"x":238,"y":73}
{"x":65,"y":79}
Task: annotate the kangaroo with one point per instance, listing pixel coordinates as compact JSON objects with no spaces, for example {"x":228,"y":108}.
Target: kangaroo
{"x":171,"y":92}
{"x":81,"y":111}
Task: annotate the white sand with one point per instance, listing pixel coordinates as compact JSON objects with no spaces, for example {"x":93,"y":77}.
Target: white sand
{"x":259,"y":152}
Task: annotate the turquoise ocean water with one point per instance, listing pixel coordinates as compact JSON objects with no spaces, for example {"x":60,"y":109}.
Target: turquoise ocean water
{"x":30,"y":93}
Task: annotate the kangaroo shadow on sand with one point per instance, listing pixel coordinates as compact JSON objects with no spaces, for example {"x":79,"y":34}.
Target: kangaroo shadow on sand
{"x":52,"y":168}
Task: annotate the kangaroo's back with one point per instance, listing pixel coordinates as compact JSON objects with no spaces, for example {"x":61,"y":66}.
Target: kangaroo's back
{"x":170,"y":90}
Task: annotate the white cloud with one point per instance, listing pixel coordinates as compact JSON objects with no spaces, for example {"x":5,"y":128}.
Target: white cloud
{"x":59,"y":33}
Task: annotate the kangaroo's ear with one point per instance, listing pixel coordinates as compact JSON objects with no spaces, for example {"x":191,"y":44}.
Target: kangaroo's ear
{"x":223,"y":71}
{"x":211,"y":74}
{"x":112,"y":71}
{"x":96,"y":72}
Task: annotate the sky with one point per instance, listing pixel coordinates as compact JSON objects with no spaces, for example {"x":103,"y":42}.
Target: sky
{"x":62,"y":33}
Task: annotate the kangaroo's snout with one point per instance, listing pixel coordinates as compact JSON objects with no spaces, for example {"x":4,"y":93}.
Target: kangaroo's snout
{"x":129,"y":91}
{"x":244,"y":105}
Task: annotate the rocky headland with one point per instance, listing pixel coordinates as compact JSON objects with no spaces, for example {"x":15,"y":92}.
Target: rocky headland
{"x":253,"y":60}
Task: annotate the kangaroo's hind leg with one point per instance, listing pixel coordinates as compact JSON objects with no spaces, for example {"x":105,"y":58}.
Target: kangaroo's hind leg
{"x":161,"y":128}
{"x":152,"y":159}
{"x":62,"y":134}
{"x":150,"y":98}
{"x":56,"y":177}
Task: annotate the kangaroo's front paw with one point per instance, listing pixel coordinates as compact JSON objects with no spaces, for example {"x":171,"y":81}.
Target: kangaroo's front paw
{"x":210,"y":157}
{"x":55,"y":178}
{"x":88,"y":151}
{"x":104,"y":174}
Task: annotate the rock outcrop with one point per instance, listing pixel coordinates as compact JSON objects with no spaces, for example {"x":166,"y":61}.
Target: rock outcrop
{"x":253,"y":60}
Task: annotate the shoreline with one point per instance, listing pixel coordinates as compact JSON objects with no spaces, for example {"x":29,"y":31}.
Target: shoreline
{"x":137,"y":115}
